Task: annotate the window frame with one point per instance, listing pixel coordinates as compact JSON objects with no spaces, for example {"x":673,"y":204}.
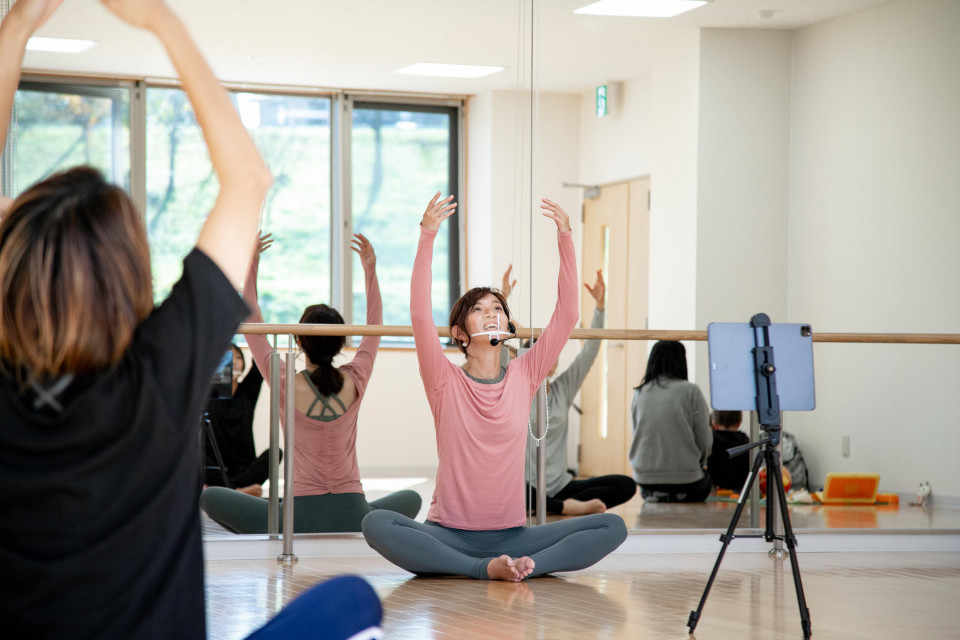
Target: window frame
{"x":455,"y":109}
{"x":342,"y":104}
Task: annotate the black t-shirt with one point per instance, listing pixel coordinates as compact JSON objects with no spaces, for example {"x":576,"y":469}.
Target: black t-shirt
{"x":728,"y":473}
{"x":232,"y":422}
{"x":99,"y":525}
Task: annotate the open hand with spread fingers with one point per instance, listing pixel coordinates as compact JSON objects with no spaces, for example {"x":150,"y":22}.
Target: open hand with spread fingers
{"x":556,"y":213}
{"x":507,"y":285}
{"x":437,"y":211}
{"x":264,"y":242}
{"x":598,"y":290}
{"x":363,"y":248}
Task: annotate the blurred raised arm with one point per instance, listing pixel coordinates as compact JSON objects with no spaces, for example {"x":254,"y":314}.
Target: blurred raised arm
{"x":231,"y":226}
{"x":23,"y":19}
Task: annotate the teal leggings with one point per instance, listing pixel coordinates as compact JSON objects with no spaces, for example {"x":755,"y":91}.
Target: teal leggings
{"x":328,"y":513}
{"x":431,"y":549}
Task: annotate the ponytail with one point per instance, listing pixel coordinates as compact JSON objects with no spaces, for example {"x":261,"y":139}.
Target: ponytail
{"x":326,"y":378}
{"x":322,"y":349}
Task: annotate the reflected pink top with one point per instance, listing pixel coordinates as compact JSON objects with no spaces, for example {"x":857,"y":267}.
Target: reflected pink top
{"x":482,"y":428}
{"x":324,"y":453}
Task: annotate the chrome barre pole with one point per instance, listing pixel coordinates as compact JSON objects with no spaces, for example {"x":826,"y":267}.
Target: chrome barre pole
{"x":542,"y":454}
{"x":287,"y":558}
{"x":273,"y":520}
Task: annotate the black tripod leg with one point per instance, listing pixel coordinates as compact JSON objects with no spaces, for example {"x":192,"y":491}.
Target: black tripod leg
{"x":726,"y":538}
{"x":216,"y":453}
{"x":791,"y":541}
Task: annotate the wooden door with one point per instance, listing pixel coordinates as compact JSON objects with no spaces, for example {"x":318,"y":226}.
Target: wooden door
{"x":615,"y":238}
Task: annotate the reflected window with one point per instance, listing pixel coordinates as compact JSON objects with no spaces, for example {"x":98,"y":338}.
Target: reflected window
{"x":59,"y":126}
{"x":293,"y":136}
{"x":605,"y":365}
{"x":400,"y":156}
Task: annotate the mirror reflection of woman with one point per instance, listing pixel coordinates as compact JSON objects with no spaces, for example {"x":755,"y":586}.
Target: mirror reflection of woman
{"x":231,"y":421}
{"x":328,"y":495}
{"x":480,"y":410}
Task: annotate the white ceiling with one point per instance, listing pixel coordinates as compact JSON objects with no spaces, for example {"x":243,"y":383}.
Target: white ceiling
{"x":359,"y":44}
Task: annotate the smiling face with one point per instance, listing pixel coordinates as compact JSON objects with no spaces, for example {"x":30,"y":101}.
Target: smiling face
{"x":486,"y":314}
{"x":475,"y":312}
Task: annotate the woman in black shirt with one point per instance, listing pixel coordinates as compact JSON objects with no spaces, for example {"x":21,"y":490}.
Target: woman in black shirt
{"x":99,"y":525}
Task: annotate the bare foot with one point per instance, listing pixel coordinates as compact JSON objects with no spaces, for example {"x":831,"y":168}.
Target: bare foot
{"x":254,"y":490}
{"x":573,"y":507}
{"x":524,"y":566}
{"x":508,"y":569}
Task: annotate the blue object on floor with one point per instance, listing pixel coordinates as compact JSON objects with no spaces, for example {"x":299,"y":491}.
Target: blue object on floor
{"x":340,"y":608}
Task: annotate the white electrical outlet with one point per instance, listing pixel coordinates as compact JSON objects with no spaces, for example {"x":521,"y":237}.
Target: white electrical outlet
{"x":846,"y":446}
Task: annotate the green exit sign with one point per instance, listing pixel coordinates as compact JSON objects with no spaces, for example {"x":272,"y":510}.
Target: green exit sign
{"x":601,"y":101}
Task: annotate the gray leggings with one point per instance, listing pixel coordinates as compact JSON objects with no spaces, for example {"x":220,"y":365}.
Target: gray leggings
{"x":328,"y":513}
{"x":431,"y":549}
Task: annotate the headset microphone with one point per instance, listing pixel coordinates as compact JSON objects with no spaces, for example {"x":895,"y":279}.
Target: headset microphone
{"x":494,"y":340}
{"x":512,"y":329}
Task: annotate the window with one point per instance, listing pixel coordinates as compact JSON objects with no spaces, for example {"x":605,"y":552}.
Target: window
{"x":58,"y":126}
{"x":400,"y":156}
{"x":293,"y":135}
{"x":371,"y":171}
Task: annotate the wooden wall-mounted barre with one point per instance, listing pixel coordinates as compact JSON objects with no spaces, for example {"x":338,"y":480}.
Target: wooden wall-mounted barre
{"x":586,"y":334}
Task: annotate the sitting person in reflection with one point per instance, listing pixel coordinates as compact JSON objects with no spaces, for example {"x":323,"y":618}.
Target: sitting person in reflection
{"x":231,"y":420}
{"x":328,"y":496}
{"x":480,"y":411}
{"x":726,"y":472}
{"x":565,"y":495}
{"x":671,"y":430}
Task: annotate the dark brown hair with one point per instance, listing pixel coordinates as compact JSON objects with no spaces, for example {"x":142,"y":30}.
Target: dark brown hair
{"x":668,"y":359}
{"x":461,"y":309}
{"x":727,"y":419}
{"x":75,"y":272}
{"x":322,"y":349}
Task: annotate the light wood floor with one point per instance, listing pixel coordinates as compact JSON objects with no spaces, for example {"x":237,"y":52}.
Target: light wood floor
{"x":886,"y":595}
{"x":640,"y":596}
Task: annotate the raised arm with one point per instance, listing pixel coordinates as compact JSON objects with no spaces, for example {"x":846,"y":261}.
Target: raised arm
{"x":548,"y":346}
{"x":429,"y":352}
{"x":244,"y":178}
{"x":259,"y":345}
{"x":23,"y":19}
{"x":369,"y":345}
{"x":576,"y":373}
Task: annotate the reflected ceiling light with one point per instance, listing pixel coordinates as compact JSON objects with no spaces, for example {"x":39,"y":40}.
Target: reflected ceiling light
{"x":58,"y":45}
{"x":640,"y":8}
{"x":449,"y":70}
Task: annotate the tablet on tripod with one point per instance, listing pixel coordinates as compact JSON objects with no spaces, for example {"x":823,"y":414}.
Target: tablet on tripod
{"x":733,"y":385}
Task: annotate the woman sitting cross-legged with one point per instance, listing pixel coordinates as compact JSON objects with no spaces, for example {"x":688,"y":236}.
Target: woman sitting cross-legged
{"x":480,"y":410}
{"x":328,"y":496}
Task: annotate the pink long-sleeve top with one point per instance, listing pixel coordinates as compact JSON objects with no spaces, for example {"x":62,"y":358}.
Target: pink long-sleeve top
{"x":482,"y":428}
{"x":324,"y":453}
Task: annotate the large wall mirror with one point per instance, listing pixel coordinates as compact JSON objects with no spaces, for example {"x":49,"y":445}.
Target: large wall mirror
{"x":801,"y":164}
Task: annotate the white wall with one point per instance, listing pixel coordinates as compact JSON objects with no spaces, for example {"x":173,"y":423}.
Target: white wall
{"x":742,"y":179}
{"x":874,"y":237}
{"x":616,"y":147}
{"x":673,"y":183}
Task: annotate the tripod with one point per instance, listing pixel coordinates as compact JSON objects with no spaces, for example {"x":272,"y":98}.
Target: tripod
{"x":207,"y":428}
{"x":768,"y":409}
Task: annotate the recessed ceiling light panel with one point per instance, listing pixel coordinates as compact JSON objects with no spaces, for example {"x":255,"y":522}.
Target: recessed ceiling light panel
{"x":58,"y":45}
{"x":640,"y":8}
{"x":449,"y":70}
